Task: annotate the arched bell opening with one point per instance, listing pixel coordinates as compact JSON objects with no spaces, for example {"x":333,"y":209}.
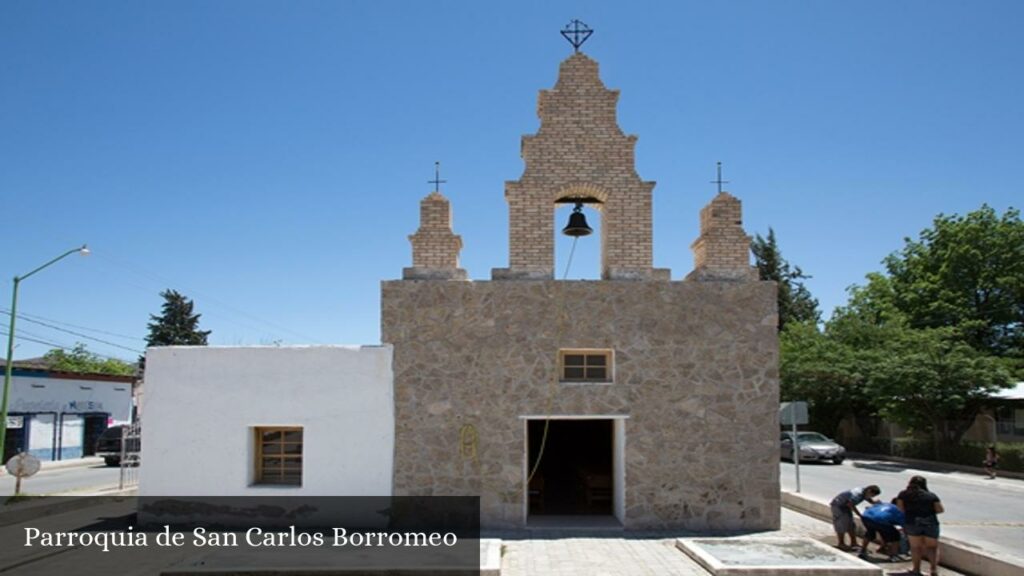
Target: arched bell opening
{"x":578,"y":238}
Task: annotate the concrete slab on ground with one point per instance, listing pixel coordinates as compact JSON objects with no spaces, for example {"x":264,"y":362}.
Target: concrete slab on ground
{"x":773,"y":556}
{"x":648,"y":554}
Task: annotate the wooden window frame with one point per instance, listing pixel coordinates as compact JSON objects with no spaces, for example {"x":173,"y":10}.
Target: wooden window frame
{"x":609,"y":365}
{"x":264,"y":477}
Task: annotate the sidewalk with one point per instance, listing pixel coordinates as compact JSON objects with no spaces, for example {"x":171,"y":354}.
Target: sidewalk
{"x":61,"y":464}
{"x":935,"y":466}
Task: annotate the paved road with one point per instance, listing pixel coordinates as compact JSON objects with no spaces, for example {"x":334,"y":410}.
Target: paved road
{"x":988,"y":513}
{"x":63,"y":479}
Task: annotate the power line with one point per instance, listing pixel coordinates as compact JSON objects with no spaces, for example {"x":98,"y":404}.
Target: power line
{"x":23,"y":335}
{"x":79,"y":334}
{"x":168,"y":282}
{"x":149,"y":290}
{"x":29,"y":317}
{"x":37,"y":339}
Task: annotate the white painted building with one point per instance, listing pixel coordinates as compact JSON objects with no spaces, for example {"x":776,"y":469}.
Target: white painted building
{"x":59,"y":415}
{"x":312,"y":421}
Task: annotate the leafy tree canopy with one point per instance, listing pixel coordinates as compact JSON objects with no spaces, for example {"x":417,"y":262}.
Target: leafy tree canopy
{"x":81,"y":361}
{"x":794,"y":299}
{"x":927,"y":379}
{"x":177,"y":325}
{"x":829,"y":375}
{"x":966,"y":273}
{"x":930,"y":379}
{"x":926,"y":344}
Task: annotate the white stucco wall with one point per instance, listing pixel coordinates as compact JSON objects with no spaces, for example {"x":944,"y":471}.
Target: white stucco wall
{"x":202,"y":403}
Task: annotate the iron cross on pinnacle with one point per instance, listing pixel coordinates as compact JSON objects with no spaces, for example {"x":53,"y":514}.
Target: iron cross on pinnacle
{"x":437,"y":178}
{"x":576,"y":33}
{"x":719,"y":181}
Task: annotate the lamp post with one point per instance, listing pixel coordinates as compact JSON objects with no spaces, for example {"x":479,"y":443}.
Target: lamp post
{"x":84,"y":251}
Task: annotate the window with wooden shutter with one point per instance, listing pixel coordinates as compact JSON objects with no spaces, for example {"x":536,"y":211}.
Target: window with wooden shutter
{"x":279,"y":455}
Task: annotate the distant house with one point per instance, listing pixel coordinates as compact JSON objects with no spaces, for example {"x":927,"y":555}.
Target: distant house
{"x":1009,"y":412}
{"x":56,"y":415}
{"x":1002,"y":419}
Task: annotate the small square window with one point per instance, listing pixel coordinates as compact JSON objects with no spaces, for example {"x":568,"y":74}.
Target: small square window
{"x":585,"y":365}
{"x":279,"y":455}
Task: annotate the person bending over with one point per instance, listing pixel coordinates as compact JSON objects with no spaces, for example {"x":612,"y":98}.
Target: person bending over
{"x":844,"y":506}
{"x":883,"y":520}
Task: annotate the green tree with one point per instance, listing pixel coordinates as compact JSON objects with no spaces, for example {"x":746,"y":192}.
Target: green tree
{"x":794,"y":299}
{"x":823,"y":371}
{"x":931,"y":380}
{"x":928,"y":379}
{"x":81,"y":361}
{"x":966,"y":273}
{"x":873,"y":304}
{"x":925,"y":345}
{"x":177,"y":324}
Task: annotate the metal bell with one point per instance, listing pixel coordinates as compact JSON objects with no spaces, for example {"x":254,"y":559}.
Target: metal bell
{"x":577,"y":225}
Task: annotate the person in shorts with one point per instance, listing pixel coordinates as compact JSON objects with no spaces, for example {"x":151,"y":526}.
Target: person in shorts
{"x":921,"y":509}
{"x":844,"y":506}
{"x":883,"y":520}
{"x":991,"y":461}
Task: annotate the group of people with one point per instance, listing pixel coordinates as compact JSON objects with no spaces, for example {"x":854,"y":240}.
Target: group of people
{"x":914,"y":512}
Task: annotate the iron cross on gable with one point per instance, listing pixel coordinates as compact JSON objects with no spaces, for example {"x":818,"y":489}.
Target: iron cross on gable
{"x":437,"y":178}
{"x":719,"y":181}
{"x":576,"y":33}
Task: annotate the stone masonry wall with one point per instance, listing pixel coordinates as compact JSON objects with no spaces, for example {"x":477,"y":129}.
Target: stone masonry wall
{"x":579,"y":150}
{"x":695,"y":371}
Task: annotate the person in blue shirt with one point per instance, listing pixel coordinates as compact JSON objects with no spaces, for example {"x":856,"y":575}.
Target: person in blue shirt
{"x":883,"y":520}
{"x":844,"y":506}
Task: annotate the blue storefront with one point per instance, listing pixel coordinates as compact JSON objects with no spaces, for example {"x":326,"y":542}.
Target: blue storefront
{"x":58,"y":415}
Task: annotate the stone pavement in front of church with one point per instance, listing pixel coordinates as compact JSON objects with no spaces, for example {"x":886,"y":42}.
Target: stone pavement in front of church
{"x":638,"y":556}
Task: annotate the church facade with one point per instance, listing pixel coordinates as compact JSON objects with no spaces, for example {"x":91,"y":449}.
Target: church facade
{"x":642,"y":401}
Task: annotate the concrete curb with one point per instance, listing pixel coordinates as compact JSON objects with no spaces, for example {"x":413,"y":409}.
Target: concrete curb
{"x":490,"y":565}
{"x":50,"y":506}
{"x":933,"y":466}
{"x":490,"y":557}
{"x":958,"y":555}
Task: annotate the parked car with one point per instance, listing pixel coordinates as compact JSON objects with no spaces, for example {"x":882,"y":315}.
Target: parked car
{"x":108,"y":446}
{"x":814,"y":446}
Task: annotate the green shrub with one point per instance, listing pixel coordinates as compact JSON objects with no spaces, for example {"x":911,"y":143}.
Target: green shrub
{"x":1011,"y":456}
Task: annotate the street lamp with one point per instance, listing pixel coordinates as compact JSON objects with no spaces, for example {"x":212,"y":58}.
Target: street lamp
{"x":84,"y":251}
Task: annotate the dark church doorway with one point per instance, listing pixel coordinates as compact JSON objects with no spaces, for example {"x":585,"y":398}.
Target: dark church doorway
{"x":575,"y":474}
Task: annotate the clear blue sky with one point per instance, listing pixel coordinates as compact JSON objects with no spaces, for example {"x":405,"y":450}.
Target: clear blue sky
{"x":268,"y":158}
